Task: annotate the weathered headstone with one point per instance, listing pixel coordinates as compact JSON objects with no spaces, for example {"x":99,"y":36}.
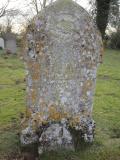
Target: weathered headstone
{"x":10,"y":42}
{"x":62,"y":54}
{"x":1,"y":43}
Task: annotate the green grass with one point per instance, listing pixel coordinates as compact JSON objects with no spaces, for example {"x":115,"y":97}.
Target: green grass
{"x":12,"y":103}
{"x":106,"y":111}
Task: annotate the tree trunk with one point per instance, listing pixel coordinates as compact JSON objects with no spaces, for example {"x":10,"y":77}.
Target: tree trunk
{"x":103,"y":7}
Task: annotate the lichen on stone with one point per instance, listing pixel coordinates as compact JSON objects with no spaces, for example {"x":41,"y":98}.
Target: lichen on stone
{"x":62,"y":56}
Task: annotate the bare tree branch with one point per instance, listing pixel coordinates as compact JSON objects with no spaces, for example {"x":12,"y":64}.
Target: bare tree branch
{"x":44,"y":3}
{"x":3,"y":9}
{"x":39,"y":4}
{"x":35,"y":3}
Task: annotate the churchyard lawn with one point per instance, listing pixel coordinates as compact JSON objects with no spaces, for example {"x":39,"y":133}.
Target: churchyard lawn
{"x":106,"y":111}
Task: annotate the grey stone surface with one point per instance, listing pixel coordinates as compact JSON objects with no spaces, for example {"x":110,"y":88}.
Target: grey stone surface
{"x":10,"y":42}
{"x":62,"y":55}
{"x":2,"y":45}
{"x":55,"y":137}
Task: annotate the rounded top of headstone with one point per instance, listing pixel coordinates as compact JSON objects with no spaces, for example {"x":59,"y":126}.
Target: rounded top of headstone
{"x":61,"y":5}
{"x":65,"y":21}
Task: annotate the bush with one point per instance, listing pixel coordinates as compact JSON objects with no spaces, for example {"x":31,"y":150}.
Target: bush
{"x":115,"y":40}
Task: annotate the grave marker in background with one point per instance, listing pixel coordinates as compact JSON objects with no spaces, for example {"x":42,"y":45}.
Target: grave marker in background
{"x":10,"y":42}
{"x":2,"y":43}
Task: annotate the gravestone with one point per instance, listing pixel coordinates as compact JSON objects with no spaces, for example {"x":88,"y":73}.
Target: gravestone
{"x":63,"y":50}
{"x":1,"y":43}
{"x":10,"y":42}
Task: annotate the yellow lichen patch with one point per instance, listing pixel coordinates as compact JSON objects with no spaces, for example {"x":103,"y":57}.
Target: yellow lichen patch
{"x":65,"y":115}
{"x":74,"y":121}
{"x":52,"y":108}
{"x":38,"y":119}
{"x":33,"y":95}
{"x":38,"y":47}
{"x":36,"y":71}
{"x":53,"y":113}
{"x":35,"y":75}
{"x":30,"y":63}
{"x":86,"y":86}
{"x":55,"y":116}
{"x":36,"y":66}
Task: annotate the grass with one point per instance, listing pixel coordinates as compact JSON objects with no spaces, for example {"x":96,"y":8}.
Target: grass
{"x":12,"y":103}
{"x":106,"y":111}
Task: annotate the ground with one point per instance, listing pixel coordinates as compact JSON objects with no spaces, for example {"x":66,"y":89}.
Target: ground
{"x":106,"y":111}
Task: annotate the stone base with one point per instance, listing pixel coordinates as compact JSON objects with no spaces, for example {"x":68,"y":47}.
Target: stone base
{"x":28,"y":136}
{"x":56,"y":136}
